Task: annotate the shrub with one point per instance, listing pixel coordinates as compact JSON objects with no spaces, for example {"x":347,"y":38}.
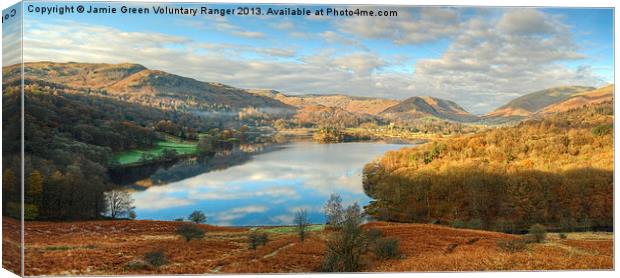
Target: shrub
{"x":31,"y":212}
{"x":263,"y":238}
{"x":135,"y":265}
{"x":474,"y":223}
{"x":256,"y":239}
{"x":538,"y":233}
{"x":512,"y":245}
{"x":603,"y":129}
{"x":197,"y":217}
{"x":387,"y":248}
{"x":13,"y":210}
{"x":132,"y":215}
{"x":473,"y":240}
{"x":563,"y":236}
{"x":168,"y":154}
{"x":374,"y":235}
{"x":156,"y":258}
{"x":180,"y":219}
{"x":190,"y":231}
{"x":458,"y":224}
{"x":450,"y":248}
{"x":348,"y":244}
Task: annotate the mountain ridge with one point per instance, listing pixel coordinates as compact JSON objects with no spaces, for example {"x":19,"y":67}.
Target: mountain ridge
{"x":137,"y":83}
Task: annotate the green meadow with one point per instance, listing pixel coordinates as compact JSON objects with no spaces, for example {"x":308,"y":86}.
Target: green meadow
{"x":133,"y":156}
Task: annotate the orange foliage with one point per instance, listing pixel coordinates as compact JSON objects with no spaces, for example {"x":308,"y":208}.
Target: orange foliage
{"x":106,"y":248}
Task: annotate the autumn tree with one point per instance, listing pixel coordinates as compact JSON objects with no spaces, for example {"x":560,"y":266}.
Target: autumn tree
{"x":9,"y":186}
{"x":34,"y":188}
{"x":505,"y":178}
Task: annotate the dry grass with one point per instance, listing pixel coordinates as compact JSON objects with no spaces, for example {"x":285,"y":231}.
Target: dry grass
{"x":107,"y":247}
{"x":10,"y":245}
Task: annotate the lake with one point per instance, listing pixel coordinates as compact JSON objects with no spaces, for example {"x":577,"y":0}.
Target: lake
{"x":269,"y":187}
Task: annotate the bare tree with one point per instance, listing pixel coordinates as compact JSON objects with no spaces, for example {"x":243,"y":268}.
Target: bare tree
{"x":301,"y":223}
{"x":346,"y":247}
{"x":333,"y":210}
{"x":118,"y":203}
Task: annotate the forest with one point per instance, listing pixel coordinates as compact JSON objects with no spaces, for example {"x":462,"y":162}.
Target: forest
{"x":556,"y":171}
{"x":70,"y":138}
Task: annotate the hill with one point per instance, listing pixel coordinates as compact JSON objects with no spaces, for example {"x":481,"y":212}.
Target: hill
{"x":529,"y":104}
{"x":360,"y":105}
{"x":137,"y":84}
{"x":407,"y":110}
{"x":600,"y":95}
{"x":506,"y":178}
{"x":418,"y":107}
{"x":319,"y":115}
{"x":118,"y":247}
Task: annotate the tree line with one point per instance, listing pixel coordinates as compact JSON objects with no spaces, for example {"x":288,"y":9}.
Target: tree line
{"x":69,"y":142}
{"x":557,"y":171}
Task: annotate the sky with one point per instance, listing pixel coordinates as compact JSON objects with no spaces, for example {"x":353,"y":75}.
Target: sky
{"x":479,"y":57}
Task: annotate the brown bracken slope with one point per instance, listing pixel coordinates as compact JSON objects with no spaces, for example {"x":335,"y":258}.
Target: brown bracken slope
{"x":112,"y":247}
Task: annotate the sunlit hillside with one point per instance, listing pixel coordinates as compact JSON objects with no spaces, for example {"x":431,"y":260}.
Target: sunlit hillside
{"x":505,"y":179}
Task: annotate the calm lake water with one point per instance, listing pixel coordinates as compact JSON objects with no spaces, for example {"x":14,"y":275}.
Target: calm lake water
{"x":268,"y":188}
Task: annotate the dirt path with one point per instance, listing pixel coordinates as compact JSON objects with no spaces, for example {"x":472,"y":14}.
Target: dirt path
{"x":278,"y":250}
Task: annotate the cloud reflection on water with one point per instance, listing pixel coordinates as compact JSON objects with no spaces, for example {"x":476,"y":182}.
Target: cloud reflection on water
{"x":268,"y":189}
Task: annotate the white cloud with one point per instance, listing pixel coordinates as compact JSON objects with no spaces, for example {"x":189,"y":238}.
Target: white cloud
{"x":282,"y":219}
{"x":236,"y":213}
{"x":411,"y":26}
{"x":157,"y":202}
{"x":492,"y":62}
{"x":222,"y":24}
{"x":238,"y":48}
{"x":525,"y":21}
{"x":284,"y":25}
{"x":11,"y":40}
{"x":488,"y":61}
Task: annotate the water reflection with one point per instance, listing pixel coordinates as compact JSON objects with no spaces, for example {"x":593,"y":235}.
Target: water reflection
{"x":268,"y":187}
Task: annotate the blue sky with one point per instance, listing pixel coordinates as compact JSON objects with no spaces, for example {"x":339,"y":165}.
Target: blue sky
{"x":478,"y":57}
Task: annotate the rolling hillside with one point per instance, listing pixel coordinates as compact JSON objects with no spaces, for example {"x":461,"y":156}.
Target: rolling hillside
{"x":360,"y":105}
{"x":529,"y":104}
{"x":135,"y":83}
{"x":596,"y":96}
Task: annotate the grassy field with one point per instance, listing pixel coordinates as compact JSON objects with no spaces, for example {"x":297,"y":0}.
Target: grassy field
{"x":133,"y":156}
{"x":118,"y":247}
